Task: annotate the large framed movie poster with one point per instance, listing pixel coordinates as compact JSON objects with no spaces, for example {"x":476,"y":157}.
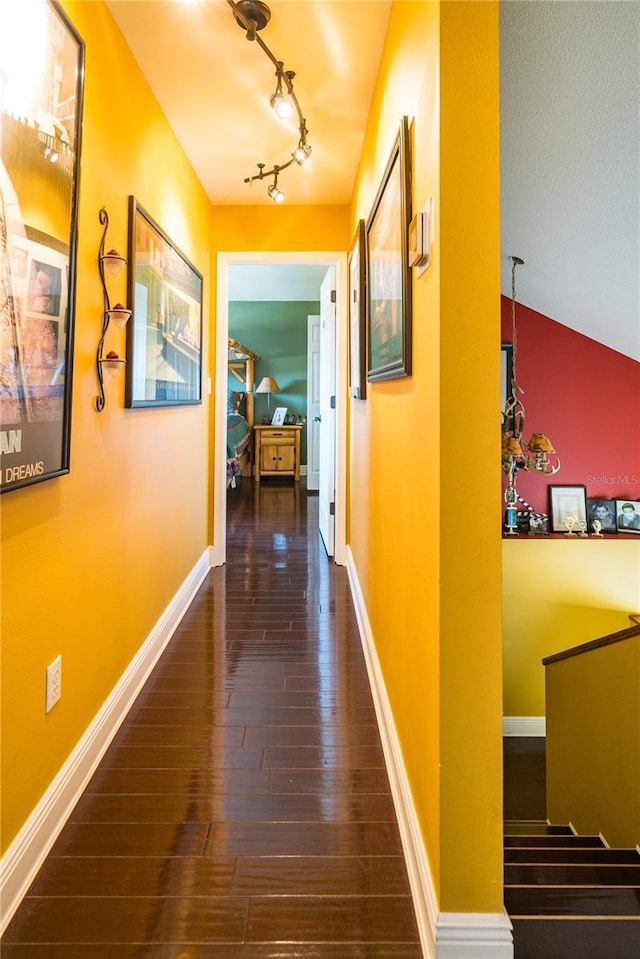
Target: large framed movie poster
{"x":42,"y":60}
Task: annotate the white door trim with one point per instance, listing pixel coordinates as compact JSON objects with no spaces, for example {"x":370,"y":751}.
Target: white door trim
{"x":224,"y":261}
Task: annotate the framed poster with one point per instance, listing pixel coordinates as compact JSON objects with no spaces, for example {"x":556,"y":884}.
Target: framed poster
{"x":39,"y":173}
{"x":279,"y":416}
{"x":357,"y":317}
{"x":164,"y":334}
{"x":387,"y":267}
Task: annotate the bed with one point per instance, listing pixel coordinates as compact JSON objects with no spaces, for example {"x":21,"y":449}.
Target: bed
{"x":240,"y":415}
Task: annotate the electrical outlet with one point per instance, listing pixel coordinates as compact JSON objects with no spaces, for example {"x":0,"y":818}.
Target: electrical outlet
{"x":54,"y":683}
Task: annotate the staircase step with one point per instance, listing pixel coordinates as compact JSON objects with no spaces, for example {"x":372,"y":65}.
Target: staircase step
{"x":562,"y":874}
{"x":594,"y":856}
{"x":572,"y":841}
{"x":535,"y":828}
{"x":572,"y":901}
{"x":576,"y":938}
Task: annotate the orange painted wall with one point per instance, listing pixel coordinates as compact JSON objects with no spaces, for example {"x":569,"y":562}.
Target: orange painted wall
{"x":91,"y":560}
{"x":427,"y":556}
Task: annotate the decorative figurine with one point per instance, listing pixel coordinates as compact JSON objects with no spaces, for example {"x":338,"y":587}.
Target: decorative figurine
{"x":570,"y":523}
{"x":597,"y":528}
{"x":582,"y":528}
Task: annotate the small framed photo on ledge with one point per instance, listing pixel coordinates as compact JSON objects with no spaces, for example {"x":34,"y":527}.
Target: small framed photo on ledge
{"x":603,"y":510}
{"x":567,"y":502}
{"x":628,"y":515}
{"x":279,"y":416}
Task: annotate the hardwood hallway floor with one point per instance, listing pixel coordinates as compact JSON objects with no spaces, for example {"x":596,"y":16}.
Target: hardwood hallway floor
{"x":243,"y":810}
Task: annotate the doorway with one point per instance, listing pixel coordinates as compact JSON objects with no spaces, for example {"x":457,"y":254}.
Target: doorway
{"x":225,"y":263}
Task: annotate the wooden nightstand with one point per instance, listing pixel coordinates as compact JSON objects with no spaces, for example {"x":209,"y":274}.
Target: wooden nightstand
{"x":277,"y":451}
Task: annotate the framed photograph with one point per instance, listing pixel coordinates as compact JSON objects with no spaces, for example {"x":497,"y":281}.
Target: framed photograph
{"x":388,"y":277}
{"x":279,"y":416}
{"x":566,"y":502}
{"x":357,"y":317}
{"x":603,"y":510}
{"x":628,"y":515}
{"x":164,"y":334}
{"x":39,"y":176}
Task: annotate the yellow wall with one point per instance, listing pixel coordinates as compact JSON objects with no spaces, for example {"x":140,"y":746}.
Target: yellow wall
{"x":438,"y":633}
{"x":558,"y":594}
{"x":91,"y":560}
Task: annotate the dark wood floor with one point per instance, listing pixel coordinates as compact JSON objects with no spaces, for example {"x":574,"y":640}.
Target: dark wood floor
{"x":243,"y":809}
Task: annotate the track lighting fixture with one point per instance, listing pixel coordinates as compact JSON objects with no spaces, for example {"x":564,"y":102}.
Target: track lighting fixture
{"x":252,"y":16}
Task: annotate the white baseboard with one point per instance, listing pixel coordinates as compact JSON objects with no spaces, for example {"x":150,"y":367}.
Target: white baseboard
{"x":29,"y":849}
{"x":442,"y":935}
{"x":524,"y":726}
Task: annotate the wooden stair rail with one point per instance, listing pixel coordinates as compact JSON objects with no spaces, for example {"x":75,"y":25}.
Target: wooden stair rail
{"x":618,"y":637}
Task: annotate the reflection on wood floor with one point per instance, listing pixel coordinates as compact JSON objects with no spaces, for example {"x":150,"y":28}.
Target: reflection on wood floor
{"x":243,"y":809}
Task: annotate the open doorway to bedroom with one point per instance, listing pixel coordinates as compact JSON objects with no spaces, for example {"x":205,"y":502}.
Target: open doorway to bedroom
{"x":263,"y":304}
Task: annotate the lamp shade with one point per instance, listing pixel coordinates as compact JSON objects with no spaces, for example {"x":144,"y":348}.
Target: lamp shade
{"x":267,"y":385}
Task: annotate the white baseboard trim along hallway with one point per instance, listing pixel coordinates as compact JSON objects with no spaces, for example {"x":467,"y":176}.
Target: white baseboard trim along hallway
{"x":30,"y":848}
{"x":443,"y":935}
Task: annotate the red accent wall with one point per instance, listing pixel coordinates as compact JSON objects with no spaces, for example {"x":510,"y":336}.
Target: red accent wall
{"x":586,"y":398}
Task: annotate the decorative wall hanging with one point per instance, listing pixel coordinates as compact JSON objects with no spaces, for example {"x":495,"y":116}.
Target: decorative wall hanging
{"x":357,"y":316}
{"x":39,"y":170}
{"x":164,"y":336}
{"x":388,"y":274}
{"x":109,"y":264}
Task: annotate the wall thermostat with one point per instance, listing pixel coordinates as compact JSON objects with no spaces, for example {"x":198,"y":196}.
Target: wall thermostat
{"x":420,"y":230}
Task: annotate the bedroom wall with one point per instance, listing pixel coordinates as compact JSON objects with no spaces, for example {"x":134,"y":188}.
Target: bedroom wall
{"x":92,"y":559}
{"x":417,"y":544}
{"x":277,"y":332}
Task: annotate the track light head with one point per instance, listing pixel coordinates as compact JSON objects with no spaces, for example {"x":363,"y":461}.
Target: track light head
{"x":275,"y":193}
{"x":281,"y":105}
{"x":301,"y":153}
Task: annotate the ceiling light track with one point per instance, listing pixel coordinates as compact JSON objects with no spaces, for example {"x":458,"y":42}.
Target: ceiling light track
{"x":252,"y":16}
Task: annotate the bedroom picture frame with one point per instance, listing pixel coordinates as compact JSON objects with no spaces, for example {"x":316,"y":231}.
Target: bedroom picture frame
{"x":388,"y":275}
{"x":39,"y":173}
{"x":565,"y":502}
{"x":358,"y":316}
{"x":628,"y":515}
{"x":279,"y":416}
{"x":164,"y":334}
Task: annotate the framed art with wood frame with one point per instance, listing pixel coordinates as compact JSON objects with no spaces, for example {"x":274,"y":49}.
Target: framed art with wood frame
{"x":164,"y":334}
{"x":357,"y":317}
{"x":388,"y":277}
{"x":42,"y":99}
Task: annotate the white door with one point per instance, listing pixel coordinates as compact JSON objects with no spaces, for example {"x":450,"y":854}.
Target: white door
{"x":313,"y":402}
{"x":327,"y":463}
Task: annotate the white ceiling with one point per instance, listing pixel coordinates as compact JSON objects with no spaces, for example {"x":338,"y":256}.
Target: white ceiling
{"x":570,"y":129}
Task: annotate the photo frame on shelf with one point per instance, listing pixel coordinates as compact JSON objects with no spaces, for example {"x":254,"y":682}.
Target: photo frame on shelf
{"x":566,"y":502}
{"x":164,"y":334}
{"x":279,"y":416}
{"x":628,"y":515}
{"x":357,"y":316}
{"x":603,"y":510}
{"x":39,"y":173}
{"x":388,"y":276}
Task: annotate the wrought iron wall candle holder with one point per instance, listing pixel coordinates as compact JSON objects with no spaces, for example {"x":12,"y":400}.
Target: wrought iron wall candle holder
{"x":111,"y":263}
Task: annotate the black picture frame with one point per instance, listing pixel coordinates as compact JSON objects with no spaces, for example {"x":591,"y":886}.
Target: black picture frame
{"x":506,"y":373}
{"x":164,"y":334}
{"x":626,"y":520}
{"x":565,"y":501}
{"x":603,"y":510}
{"x":358,"y":316}
{"x":388,"y":276}
{"x":39,"y":172}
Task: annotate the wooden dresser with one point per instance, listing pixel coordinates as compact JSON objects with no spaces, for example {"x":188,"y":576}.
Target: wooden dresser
{"x":277,"y":451}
